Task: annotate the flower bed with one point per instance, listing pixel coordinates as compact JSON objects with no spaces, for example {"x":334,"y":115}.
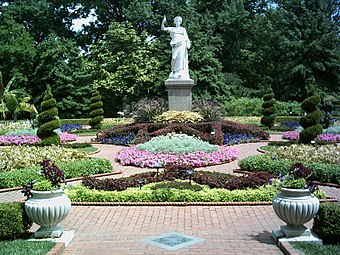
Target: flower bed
{"x":294,"y":135}
{"x":141,"y":158}
{"x":231,"y":138}
{"x":32,"y":139}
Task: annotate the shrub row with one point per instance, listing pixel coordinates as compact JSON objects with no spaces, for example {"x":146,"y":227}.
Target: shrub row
{"x":327,"y":173}
{"x":78,"y":168}
{"x":326,"y":223}
{"x":146,"y":131}
{"x":149,"y":193}
{"x":14,"y":221}
{"x":173,"y":172}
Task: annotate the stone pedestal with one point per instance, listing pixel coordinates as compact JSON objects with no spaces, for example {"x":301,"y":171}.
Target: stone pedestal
{"x":179,"y":94}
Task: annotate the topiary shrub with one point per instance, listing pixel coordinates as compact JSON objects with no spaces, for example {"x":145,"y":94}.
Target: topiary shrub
{"x":326,"y":223}
{"x":48,"y":120}
{"x":14,"y":221}
{"x":310,"y":122}
{"x":269,"y":109}
{"x":96,"y":110}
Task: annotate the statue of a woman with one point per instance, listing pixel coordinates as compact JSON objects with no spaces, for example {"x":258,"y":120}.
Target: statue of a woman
{"x":180,"y":44}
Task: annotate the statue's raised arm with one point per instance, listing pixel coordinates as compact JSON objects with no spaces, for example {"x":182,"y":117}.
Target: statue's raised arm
{"x":180,"y":44}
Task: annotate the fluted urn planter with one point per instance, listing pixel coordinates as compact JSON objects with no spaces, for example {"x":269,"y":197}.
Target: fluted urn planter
{"x":295,"y":207}
{"x":48,"y":209}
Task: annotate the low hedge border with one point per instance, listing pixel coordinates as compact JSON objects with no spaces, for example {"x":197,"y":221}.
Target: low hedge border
{"x":328,"y":200}
{"x":67,"y":180}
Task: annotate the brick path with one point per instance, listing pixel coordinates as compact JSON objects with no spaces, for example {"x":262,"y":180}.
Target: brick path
{"x":122,"y":229}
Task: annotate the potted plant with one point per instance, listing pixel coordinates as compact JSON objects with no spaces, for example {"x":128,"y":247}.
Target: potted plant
{"x":46,"y":203}
{"x":295,"y":204}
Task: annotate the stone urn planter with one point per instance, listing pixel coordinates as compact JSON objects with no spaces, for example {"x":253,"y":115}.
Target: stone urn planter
{"x":295,"y":207}
{"x":48,"y":209}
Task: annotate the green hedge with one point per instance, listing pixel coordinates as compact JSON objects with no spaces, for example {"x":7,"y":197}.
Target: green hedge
{"x":14,"y":221}
{"x":149,"y":193}
{"x":328,"y":173}
{"x":72,"y":169}
{"x":84,"y":121}
{"x":327,"y":224}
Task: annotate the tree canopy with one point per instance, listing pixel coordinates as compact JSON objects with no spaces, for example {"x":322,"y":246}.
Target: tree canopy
{"x":239,"y":49}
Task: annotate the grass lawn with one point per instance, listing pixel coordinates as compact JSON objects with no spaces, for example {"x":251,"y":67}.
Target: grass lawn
{"x":316,"y":249}
{"x":88,"y":149}
{"x":24,"y":247}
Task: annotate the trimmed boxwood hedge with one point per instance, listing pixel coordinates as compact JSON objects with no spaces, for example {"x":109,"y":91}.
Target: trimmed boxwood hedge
{"x":326,"y":223}
{"x":327,"y":173}
{"x":78,"y":168}
{"x":14,"y":221}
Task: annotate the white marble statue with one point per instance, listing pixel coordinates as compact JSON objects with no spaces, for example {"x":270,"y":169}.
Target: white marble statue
{"x":180,"y":44}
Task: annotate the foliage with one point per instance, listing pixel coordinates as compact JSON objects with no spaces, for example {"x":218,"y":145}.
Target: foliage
{"x":145,"y":110}
{"x":173,"y":172}
{"x":178,"y":117}
{"x":310,"y":122}
{"x":23,"y":131}
{"x":24,"y":247}
{"x":243,"y":106}
{"x":176,"y":144}
{"x":268,"y":109}
{"x":27,"y":156}
{"x":52,"y":173}
{"x":210,"y":110}
{"x":14,"y":221}
{"x":48,"y":120}
{"x":326,"y":223}
{"x":72,"y":169}
{"x":297,"y":177}
{"x":149,"y":194}
{"x":290,"y":124}
{"x":311,"y":248}
{"x":327,"y":173}
{"x":290,"y":108}
{"x":307,"y":153}
{"x":97,"y":111}
{"x":123,"y":64}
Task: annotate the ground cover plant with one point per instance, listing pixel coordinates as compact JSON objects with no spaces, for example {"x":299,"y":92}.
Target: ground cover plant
{"x":72,"y":169}
{"x":180,"y":148}
{"x":323,"y":172}
{"x":22,"y":156}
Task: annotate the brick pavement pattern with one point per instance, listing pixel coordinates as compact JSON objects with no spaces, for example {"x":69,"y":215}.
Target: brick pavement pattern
{"x":122,"y":229}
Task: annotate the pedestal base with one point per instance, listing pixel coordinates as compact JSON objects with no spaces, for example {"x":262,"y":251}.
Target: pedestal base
{"x":179,"y":94}
{"x":287,"y":234}
{"x":65,"y":238}
{"x":49,"y":232}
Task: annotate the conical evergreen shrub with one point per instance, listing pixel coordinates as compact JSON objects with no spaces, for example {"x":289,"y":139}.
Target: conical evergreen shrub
{"x":311,"y":121}
{"x":269,"y":109}
{"x":97,"y":111}
{"x":48,"y":120}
